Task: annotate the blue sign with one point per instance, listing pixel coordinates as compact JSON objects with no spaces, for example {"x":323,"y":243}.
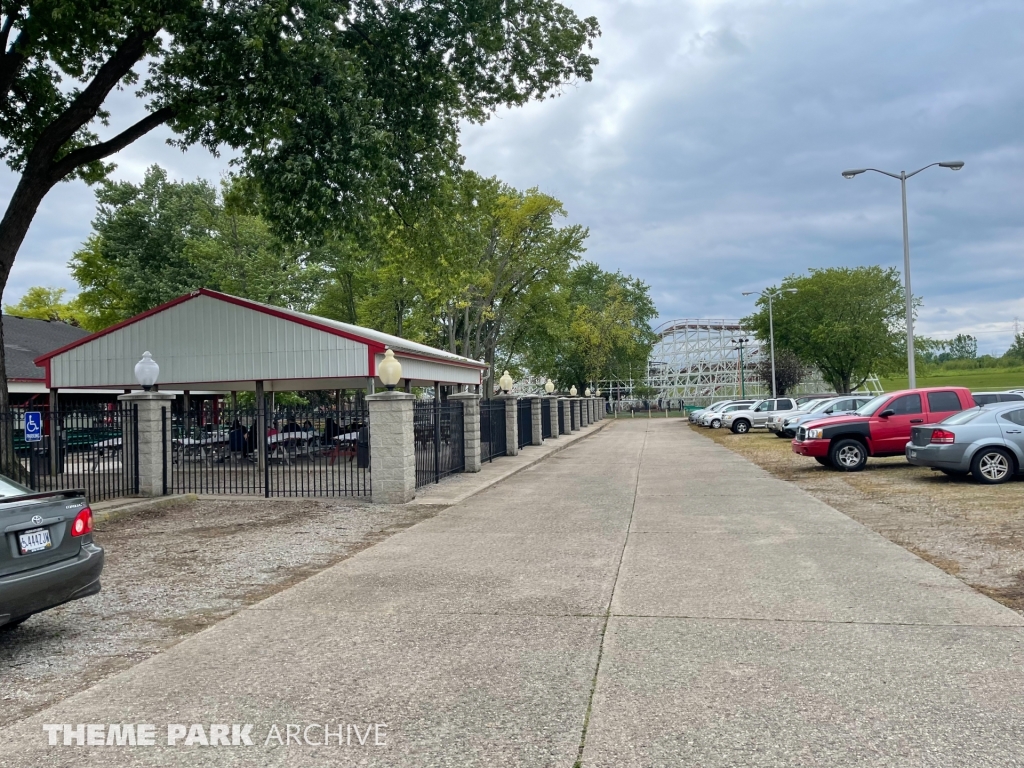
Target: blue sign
{"x":33,"y":426}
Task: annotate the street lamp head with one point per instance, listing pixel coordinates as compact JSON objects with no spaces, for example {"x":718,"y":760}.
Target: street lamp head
{"x":390,"y":370}
{"x":549,"y":386}
{"x":790,"y":290}
{"x":953,"y":165}
{"x":851,"y":174}
{"x":505,"y":382}
{"x":147,"y":371}
{"x":749,"y":293}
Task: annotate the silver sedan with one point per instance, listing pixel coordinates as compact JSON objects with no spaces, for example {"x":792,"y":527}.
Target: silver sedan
{"x":987,"y":442}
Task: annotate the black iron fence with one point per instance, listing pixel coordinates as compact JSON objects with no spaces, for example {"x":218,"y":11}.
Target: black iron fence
{"x":573,"y":421}
{"x":492,"y":429}
{"x":524,"y":413}
{"x":545,"y":419}
{"x":561,"y":416}
{"x":440,"y":443}
{"x":80,"y":448}
{"x":307,"y":452}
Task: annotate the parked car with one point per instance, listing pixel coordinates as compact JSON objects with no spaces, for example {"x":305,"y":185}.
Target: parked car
{"x":987,"y":398}
{"x":48,"y":556}
{"x":742,"y":420}
{"x":881,"y":427}
{"x":714,"y":419}
{"x":802,"y":400}
{"x":987,"y":441}
{"x":785,"y":424}
{"x":695,"y":415}
{"x":806,"y":406}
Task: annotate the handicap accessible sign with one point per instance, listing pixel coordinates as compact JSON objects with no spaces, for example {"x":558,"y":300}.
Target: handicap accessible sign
{"x":33,"y":426}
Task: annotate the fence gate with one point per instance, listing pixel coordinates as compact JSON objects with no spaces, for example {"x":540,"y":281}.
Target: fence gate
{"x":525,"y":422}
{"x":309,"y":452}
{"x":440,"y":443}
{"x":545,"y":419}
{"x":75,"y":448}
{"x":492,"y":429}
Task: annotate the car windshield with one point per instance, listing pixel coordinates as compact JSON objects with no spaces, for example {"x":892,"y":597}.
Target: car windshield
{"x":819,"y":405}
{"x":872,"y":405}
{"x":9,"y":488}
{"x":963,"y":417}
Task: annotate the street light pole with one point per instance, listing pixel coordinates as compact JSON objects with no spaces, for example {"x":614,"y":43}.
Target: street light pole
{"x":953,"y":165}
{"x":771,"y":324}
{"x":740,"y":343}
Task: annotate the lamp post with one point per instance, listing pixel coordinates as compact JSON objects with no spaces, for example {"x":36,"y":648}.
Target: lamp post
{"x":770,"y":295}
{"x":740,"y":343}
{"x":389,"y":370}
{"x":505,"y":382}
{"x":902,"y":176}
{"x":549,"y":386}
{"x":572,"y":391}
{"x":147,"y":371}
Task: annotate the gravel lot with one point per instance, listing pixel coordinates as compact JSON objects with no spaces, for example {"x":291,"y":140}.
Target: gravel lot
{"x":974,"y":532}
{"x":173,"y":571}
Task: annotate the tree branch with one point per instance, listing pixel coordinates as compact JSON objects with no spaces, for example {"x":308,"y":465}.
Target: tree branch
{"x":83,"y":109}
{"x":95,"y":152}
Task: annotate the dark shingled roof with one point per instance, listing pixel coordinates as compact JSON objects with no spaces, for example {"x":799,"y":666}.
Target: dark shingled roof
{"x":25,"y":340}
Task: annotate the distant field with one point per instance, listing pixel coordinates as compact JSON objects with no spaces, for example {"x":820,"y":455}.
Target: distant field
{"x":978,"y":380}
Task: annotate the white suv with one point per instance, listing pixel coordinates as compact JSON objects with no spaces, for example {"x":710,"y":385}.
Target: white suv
{"x":742,"y":421}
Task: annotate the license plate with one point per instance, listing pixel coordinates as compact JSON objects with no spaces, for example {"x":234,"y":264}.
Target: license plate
{"x":913,"y":454}
{"x":34,"y":541}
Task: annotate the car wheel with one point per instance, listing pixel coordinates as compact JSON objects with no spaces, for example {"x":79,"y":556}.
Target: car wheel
{"x":740,"y":427}
{"x":992,"y":465}
{"x":782,"y":436}
{"x":848,"y":455}
{"x":716,"y":423}
{"x":823,"y":460}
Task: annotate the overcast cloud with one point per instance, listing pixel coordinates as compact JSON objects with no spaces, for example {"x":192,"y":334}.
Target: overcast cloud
{"x":706,"y":155}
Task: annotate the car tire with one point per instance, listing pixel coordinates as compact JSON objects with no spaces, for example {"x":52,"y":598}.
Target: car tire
{"x":848,"y":455}
{"x":782,"y":436}
{"x":823,"y":460}
{"x":716,"y":423}
{"x":740,"y":427}
{"x":992,"y":465}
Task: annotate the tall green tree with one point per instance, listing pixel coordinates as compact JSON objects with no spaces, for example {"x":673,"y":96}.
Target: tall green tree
{"x":41,"y":303}
{"x":847,"y":322}
{"x":603,"y":332}
{"x":333,"y":106}
{"x":159,"y":239}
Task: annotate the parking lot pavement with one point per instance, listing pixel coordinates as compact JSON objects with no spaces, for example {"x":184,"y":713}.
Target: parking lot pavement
{"x":615,"y":603}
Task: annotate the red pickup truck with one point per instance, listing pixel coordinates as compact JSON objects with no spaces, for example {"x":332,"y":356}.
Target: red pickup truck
{"x":881,"y":427}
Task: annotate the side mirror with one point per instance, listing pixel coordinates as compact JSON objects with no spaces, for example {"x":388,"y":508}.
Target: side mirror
{"x":887,"y":413}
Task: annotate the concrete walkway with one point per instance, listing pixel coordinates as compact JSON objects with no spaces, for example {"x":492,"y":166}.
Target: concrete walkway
{"x":642,"y":598}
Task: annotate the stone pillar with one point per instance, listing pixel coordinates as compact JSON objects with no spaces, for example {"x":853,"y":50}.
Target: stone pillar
{"x":392,"y":448}
{"x":511,"y":425}
{"x":152,"y":450}
{"x":576,"y":412}
{"x":470,"y":427}
{"x":553,"y":415}
{"x":538,"y":422}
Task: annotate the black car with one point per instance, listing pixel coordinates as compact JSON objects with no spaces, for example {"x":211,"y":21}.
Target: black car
{"x":47,"y":556}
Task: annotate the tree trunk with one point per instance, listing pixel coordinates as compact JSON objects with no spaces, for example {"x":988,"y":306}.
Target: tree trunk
{"x":13,"y":228}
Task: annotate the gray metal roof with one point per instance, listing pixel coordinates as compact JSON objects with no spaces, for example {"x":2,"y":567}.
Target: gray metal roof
{"x":25,"y":340}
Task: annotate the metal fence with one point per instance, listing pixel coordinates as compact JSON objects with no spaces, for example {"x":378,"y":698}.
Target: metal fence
{"x":545,"y":419}
{"x":309,"y":452}
{"x":492,"y":429}
{"x":561,"y":416}
{"x":572,"y":417}
{"x":524,"y":413}
{"x":440,"y":443}
{"x":80,"y":448}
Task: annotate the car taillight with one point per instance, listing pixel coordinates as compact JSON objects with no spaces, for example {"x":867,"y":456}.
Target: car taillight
{"x":942,"y":436}
{"x":83,"y":523}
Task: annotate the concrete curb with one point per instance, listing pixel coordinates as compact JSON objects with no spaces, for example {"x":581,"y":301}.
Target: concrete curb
{"x":118,"y":510}
{"x":557,"y":446}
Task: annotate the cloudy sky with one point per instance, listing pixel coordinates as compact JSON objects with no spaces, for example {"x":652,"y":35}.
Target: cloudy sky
{"x":706,"y":154}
